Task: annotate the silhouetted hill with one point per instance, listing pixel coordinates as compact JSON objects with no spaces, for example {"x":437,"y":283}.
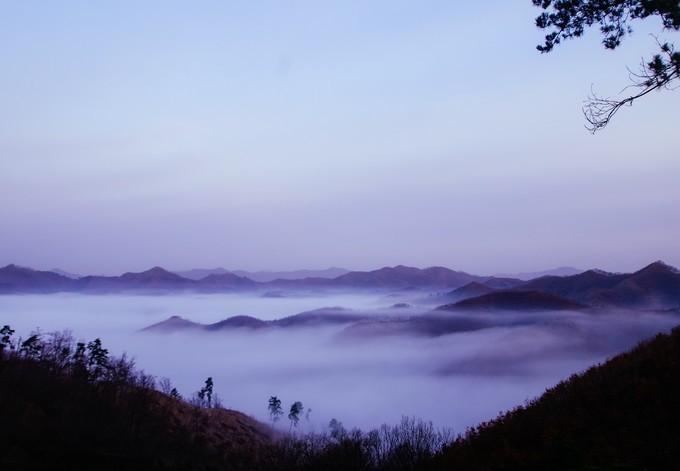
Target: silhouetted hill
{"x":159,"y":279}
{"x":172,"y":324}
{"x":16,"y":279}
{"x":225,"y":281}
{"x":154,"y":279}
{"x":399,"y":277}
{"x":576,"y":287}
{"x":409,"y":277}
{"x":514,"y":301}
{"x":403,"y":276}
{"x":653,"y":287}
{"x":237,"y":322}
{"x":621,"y":415}
{"x":65,"y":408}
{"x":264,"y":276}
{"x":656,"y":286}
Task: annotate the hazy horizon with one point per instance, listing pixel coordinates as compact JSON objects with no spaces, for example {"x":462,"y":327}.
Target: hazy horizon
{"x":304,"y":269}
{"x":257,"y":136}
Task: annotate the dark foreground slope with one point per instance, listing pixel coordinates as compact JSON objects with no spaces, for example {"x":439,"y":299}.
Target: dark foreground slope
{"x":62,"y":410}
{"x":622,"y":415}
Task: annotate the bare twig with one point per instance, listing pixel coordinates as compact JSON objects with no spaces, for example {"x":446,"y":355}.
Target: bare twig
{"x":655,"y":75}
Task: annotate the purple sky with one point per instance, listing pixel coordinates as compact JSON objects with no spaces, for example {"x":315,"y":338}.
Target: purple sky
{"x":255,"y":136}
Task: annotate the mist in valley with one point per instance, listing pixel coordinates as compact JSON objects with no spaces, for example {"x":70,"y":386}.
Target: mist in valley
{"x":363,"y":373}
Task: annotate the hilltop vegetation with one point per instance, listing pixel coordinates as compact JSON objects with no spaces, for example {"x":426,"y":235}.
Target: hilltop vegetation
{"x":68,"y":405}
{"x":621,"y":415}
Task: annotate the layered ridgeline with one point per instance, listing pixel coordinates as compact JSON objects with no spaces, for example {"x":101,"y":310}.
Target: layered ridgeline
{"x":656,"y":286}
{"x":16,"y":279}
{"x":69,"y":406}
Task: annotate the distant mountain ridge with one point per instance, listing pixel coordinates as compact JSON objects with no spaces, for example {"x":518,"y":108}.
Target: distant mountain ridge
{"x":403,"y":276}
{"x":656,"y":286}
{"x":199,"y":273}
{"x":17,"y":279}
{"x":154,"y":279}
{"x":264,"y":276}
{"x":526,"y":276}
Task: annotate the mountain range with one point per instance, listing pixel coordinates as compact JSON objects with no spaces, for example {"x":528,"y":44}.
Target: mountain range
{"x":17,"y":279}
{"x":264,"y":276}
{"x":656,"y":286}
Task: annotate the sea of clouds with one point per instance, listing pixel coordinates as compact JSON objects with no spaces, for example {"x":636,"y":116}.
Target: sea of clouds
{"x":454,"y":380}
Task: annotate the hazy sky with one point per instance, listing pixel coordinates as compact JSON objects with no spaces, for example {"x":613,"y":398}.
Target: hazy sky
{"x":268,"y":134}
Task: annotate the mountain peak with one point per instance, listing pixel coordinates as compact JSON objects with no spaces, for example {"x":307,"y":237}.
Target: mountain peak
{"x":151,"y":272}
{"x":171,"y":324}
{"x":659,"y":266}
{"x":155,"y":276}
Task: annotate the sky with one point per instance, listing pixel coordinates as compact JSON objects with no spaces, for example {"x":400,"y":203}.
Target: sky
{"x":281,"y":135}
